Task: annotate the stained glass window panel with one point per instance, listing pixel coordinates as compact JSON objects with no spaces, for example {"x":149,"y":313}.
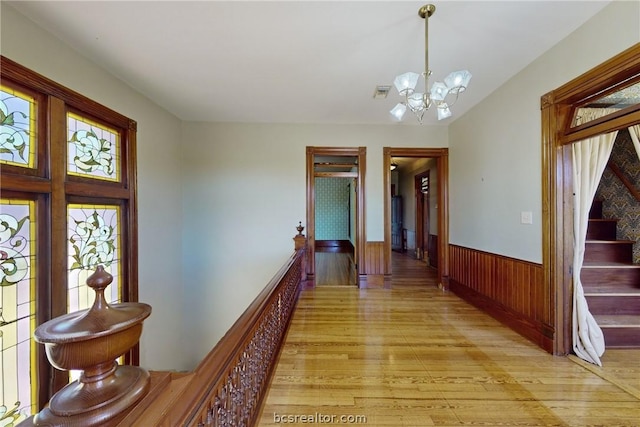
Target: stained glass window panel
{"x":93,"y":149}
{"x":17,"y":309}
{"x":17,"y":128}
{"x":93,"y":239}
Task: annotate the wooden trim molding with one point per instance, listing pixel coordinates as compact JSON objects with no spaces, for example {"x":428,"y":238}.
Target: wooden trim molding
{"x":442,"y":157}
{"x":336,"y":174}
{"x":311,"y":217}
{"x":508,"y":289}
{"x":557,"y":135}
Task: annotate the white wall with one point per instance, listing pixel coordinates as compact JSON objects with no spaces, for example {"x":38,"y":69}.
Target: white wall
{"x":244,"y":192}
{"x":159,"y":202}
{"x":495,"y":149}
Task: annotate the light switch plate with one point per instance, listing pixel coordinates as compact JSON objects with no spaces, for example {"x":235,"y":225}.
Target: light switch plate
{"x":526,"y":217}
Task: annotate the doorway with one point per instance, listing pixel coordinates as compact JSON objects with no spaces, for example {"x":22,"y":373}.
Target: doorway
{"x":558,"y":133}
{"x":441,"y":248}
{"x":341,"y":170}
{"x":334,"y":220}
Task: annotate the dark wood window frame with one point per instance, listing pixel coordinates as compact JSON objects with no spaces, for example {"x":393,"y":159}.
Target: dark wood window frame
{"x":52,"y":188}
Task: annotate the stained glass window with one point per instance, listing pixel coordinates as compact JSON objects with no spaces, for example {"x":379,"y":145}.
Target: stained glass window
{"x":17,"y":309}
{"x":93,"y":239}
{"x":17,"y":128}
{"x":93,"y":149}
{"x":93,"y":205}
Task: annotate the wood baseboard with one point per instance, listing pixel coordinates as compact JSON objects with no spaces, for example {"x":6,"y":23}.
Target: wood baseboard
{"x":343,"y":246}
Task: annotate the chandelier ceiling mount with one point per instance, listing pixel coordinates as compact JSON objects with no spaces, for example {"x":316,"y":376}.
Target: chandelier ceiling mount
{"x":426,"y":11}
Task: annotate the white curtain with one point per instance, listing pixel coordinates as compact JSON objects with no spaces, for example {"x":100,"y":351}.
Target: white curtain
{"x":590,"y":157}
{"x":635,"y":137}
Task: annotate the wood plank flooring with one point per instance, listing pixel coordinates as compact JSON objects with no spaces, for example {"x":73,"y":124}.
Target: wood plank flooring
{"x":335,"y":269}
{"x":414,"y":355}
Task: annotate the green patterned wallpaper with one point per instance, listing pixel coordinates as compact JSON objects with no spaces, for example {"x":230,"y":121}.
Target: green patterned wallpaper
{"x":618,"y":202}
{"x":332,"y":208}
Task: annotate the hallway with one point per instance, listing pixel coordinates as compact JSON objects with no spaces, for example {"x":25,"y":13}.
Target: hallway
{"x":413,"y":355}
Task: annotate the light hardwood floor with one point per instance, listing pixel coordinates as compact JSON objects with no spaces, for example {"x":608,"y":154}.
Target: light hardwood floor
{"x":413,"y":355}
{"x":335,"y":269}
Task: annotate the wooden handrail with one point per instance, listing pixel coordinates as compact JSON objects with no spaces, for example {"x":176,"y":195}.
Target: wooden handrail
{"x":228,"y":386}
{"x":621,"y":176}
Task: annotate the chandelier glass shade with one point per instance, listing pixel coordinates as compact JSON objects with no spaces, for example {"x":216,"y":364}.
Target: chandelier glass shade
{"x":442,"y":94}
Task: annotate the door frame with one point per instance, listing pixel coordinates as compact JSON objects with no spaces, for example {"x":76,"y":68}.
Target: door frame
{"x":359,"y":255}
{"x":442,"y":160}
{"x":557,"y":136}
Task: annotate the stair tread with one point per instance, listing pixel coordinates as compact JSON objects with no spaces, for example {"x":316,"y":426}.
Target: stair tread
{"x":609,"y":264}
{"x":627,"y":292}
{"x":617,"y":321}
{"x":609,"y":288}
{"x":626,"y":242}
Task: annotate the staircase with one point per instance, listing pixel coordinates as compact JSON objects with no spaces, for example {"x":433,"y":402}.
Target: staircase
{"x":611,"y":281}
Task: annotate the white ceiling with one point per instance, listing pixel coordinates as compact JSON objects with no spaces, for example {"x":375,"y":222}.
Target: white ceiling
{"x":303,"y":61}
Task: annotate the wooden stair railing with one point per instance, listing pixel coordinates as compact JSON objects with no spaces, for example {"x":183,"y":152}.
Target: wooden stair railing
{"x":228,"y":386}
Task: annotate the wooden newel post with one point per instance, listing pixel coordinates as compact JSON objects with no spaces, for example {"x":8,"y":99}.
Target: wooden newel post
{"x":300,"y":242}
{"x":91,"y":341}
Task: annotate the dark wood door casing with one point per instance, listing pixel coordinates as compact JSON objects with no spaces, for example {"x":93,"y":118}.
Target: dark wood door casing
{"x":557,"y":109}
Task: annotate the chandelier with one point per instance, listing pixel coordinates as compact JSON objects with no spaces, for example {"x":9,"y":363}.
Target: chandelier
{"x":442,"y":95}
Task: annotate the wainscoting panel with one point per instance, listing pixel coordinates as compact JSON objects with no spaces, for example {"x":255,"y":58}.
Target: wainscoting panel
{"x":508,"y":289}
{"x":374,"y":275}
{"x":374,"y":258}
